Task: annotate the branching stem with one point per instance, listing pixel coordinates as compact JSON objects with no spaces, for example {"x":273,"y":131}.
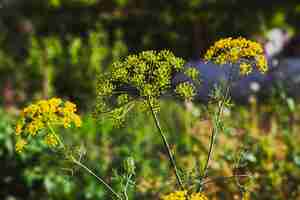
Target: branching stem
{"x":80,"y":164}
{"x":97,"y":177}
{"x":215,"y":130}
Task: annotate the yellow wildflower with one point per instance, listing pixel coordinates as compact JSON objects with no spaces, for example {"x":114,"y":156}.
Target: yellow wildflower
{"x":30,"y":110}
{"x":44,"y":106}
{"x":34,"y":126}
{"x":18,"y":129}
{"x":198,"y":196}
{"x":246,"y":196}
{"x":183,"y":195}
{"x":77,"y":120}
{"x":44,"y":115}
{"x":51,"y":140}
{"x":67,"y":122}
{"x":69,"y":107}
{"x":245,"y":68}
{"x":262,"y":63}
{"x":20,"y":145}
{"x":237,"y":51}
{"x":177,"y":195}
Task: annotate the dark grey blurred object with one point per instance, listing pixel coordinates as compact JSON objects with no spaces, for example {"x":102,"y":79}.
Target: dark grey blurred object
{"x":285,"y":73}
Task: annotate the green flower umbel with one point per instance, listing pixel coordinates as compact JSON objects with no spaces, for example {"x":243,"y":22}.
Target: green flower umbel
{"x":140,"y":78}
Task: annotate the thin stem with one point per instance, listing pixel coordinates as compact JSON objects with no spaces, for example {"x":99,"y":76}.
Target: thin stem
{"x":56,"y":136}
{"x":97,"y":177}
{"x":167,"y":146}
{"x":215,"y":130}
{"x":83,"y":166}
{"x":126,"y":186}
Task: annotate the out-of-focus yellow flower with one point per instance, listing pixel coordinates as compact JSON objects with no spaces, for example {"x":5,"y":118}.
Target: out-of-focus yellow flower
{"x":51,"y":140}
{"x":21,"y":143}
{"x":68,"y":108}
{"x":44,"y":115}
{"x":54,"y":104}
{"x":18,"y":129}
{"x":245,"y":68}
{"x":77,"y":120}
{"x":198,"y":196}
{"x":34,"y":126}
{"x":238,"y":51}
{"x":183,"y":195}
{"x":246,"y":196}
{"x":177,"y":195}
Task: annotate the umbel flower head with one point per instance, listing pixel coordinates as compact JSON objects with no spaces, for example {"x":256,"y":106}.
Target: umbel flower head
{"x":38,"y":120}
{"x":245,"y":53}
{"x":140,"y":78}
{"x":183,"y":195}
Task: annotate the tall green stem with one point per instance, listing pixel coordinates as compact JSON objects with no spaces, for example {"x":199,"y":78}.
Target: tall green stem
{"x":215,"y":132}
{"x":167,"y":146}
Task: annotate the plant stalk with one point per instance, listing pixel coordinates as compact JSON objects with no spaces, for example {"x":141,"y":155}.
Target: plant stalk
{"x":215,"y":130}
{"x":167,"y":146}
{"x":97,"y":177}
{"x":85,"y":167}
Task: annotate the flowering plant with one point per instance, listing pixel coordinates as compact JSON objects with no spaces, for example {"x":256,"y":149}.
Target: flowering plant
{"x":140,"y":79}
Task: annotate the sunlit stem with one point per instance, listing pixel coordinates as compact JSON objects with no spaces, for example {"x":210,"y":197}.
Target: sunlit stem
{"x":126,"y":186}
{"x":216,"y":127}
{"x":167,"y":146}
{"x":215,"y":132}
{"x":97,"y":177}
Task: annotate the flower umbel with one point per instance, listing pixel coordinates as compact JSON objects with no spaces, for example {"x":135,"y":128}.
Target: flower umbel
{"x":139,"y":78}
{"x":40,"y":118}
{"x":183,"y":195}
{"x":239,"y":51}
{"x":185,"y":90}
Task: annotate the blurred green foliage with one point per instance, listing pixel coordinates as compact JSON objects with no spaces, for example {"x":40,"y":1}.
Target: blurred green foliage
{"x":49,"y":42}
{"x":256,"y":142}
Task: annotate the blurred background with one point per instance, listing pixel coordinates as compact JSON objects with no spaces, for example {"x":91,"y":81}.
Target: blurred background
{"x":56,"y":47}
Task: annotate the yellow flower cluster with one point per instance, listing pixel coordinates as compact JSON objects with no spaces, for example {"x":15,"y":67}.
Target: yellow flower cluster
{"x":183,"y":195}
{"x":240,"y":51}
{"x":41,"y":117}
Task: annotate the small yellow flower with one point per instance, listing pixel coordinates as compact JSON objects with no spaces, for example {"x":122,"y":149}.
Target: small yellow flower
{"x":34,"y":126}
{"x":44,"y":115}
{"x":69,"y":107}
{"x":238,"y":51}
{"x":246,"y":196}
{"x":51,"y":140}
{"x":18,"y":129}
{"x":177,"y":195}
{"x":44,"y":106}
{"x":30,"y":110}
{"x":20,"y":145}
{"x":54,"y":103}
{"x":245,"y":68}
{"x":183,"y":195}
{"x":198,"y":196}
{"x":67,"y":122}
{"x":77,"y":120}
